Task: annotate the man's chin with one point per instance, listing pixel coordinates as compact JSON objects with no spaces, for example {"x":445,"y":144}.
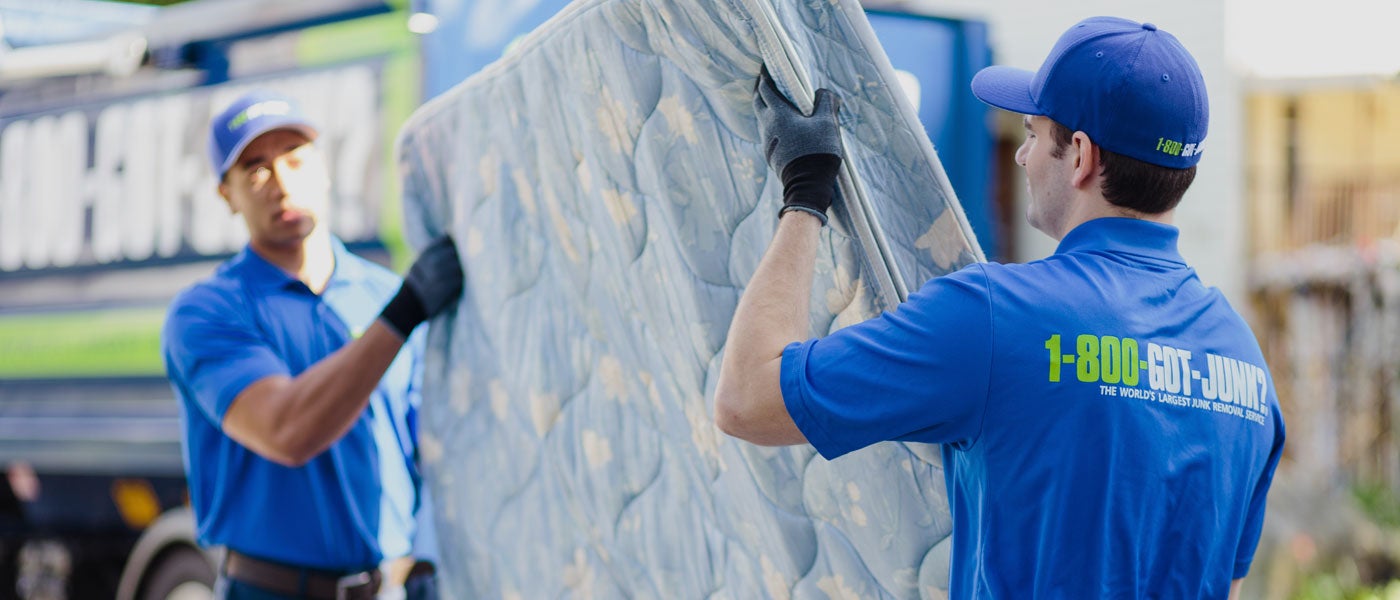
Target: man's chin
{"x":292,"y":234}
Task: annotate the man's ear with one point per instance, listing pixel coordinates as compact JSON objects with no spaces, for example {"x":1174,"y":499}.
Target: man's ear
{"x":1086,"y":159}
{"x":224,"y":193}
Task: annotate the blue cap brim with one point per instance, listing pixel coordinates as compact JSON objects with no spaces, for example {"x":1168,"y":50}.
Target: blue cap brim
{"x":1006,"y":88}
{"x":267,"y":124}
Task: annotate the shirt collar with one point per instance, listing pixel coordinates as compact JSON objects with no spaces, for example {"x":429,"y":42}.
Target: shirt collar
{"x":263,"y":275}
{"x":1120,"y":235}
{"x":348,"y":271}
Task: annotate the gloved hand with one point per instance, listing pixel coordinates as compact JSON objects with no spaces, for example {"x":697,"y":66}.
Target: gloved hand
{"x":804,"y":150}
{"x":432,"y":283}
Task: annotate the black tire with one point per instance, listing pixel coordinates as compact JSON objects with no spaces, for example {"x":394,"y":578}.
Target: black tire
{"x":182,"y":569}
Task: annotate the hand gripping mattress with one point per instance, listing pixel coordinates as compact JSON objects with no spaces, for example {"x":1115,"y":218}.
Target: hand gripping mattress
{"x":608,"y":194}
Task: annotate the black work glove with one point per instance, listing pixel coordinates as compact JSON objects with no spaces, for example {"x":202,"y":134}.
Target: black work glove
{"x":804,"y":150}
{"x":432,"y":283}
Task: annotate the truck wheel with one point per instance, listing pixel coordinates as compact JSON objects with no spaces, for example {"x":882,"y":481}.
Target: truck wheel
{"x":181,"y":574}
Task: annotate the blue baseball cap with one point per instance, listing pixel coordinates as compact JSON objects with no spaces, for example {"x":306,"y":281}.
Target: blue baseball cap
{"x":250,"y":116}
{"x":1133,"y":88}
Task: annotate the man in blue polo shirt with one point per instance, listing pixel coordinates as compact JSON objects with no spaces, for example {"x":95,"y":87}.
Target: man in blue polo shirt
{"x":1109,"y":427}
{"x":297,"y":402}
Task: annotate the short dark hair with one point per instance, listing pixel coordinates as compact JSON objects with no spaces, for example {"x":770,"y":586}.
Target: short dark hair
{"x":1129,"y":182}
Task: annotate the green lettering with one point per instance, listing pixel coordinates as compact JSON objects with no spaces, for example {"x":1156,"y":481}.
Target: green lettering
{"x":1131,"y":369}
{"x":1110,"y":351}
{"x":238,"y":120}
{"x":1087,"y":365}
{"x":1167,"y":146}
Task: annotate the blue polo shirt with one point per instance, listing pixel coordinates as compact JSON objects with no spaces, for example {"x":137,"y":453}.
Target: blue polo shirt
{"x":1109,"y":426}
{"x":351,"y":505}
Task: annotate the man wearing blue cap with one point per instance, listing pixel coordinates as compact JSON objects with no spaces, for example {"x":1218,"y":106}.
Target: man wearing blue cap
{"x":1109,"y":427}
{"x":297,"y":390}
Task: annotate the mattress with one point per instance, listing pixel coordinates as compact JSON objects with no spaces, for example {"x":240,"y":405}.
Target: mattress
{"x":607,"y":191}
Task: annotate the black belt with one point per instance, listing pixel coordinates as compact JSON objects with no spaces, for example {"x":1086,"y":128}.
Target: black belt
{"x":301,"y":582}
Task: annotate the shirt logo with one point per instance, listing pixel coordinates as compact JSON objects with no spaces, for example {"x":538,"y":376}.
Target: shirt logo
{"x":1163,"y":374}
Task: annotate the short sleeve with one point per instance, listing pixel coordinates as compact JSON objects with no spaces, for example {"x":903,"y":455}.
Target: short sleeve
{"x":919,"y":373}
{"x":213,"y":351}
{"x":1254,"y":519}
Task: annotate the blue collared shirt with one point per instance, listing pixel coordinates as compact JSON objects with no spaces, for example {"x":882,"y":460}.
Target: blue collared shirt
{"x":351,"y":505}
{"x":1109,"y":426}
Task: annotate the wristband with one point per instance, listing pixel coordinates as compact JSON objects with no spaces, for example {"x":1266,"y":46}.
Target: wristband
{"x":404,"y":312}
{"x":821,"y":216}
{"x":809,"y":183}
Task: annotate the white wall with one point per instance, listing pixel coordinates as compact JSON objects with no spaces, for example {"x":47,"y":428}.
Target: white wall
{"x":1212,"y":216}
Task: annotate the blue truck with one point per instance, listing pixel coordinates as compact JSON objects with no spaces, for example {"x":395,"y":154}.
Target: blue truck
{"x":107,"y":209}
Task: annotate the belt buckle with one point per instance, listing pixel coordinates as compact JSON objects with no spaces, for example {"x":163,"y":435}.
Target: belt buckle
{"x":353,"y":580}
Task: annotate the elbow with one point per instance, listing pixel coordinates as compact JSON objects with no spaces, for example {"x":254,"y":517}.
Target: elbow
{"x":286,"y":460}
{"x":732,"y":414}
{"x":287,"y":457}
{"x":292,"y":461}
{"x":727,"y":413}
{"x":280,"y":444}
{"x":280,"y":440}
{"x":749,"y":404}
{"x":262,"y":420}
{"x":288,"y":450}
{"x":730,"y":399}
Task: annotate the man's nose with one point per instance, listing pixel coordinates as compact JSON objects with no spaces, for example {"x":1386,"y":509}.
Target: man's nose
{"x":1021,"y":153}
{"x":280,"y":173}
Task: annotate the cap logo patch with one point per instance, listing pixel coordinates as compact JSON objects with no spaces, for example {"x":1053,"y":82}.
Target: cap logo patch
{"x":1175,"y":148}
{"x":267,"y":107}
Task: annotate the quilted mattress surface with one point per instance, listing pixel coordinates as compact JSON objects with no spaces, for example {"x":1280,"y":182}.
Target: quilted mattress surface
{"x":607,"y":191}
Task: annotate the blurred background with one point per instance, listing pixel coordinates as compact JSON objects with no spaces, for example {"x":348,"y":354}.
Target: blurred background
{"x":108,"y":208}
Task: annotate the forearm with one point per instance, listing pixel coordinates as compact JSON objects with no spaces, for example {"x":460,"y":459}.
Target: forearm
{"x":291,"y":420}
{"x":805,"y":150}
{"x":771,"y":314}
{"x":773,"y":310}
